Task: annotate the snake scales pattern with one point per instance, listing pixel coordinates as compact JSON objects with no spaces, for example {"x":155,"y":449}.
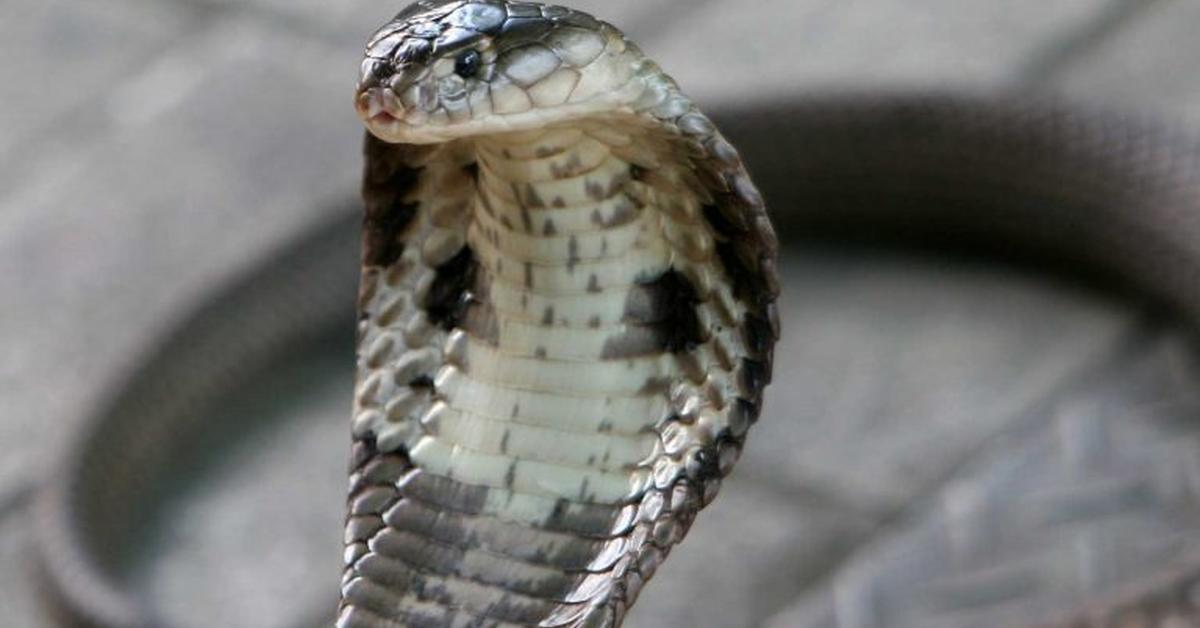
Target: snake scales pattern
{"x":470,"y":533}
{"x":567,"y":318}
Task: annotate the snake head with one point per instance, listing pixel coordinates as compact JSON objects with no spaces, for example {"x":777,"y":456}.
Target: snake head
{"x":446,"y":69}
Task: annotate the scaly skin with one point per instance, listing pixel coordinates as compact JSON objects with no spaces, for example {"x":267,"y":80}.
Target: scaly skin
{"x":566,"y":320}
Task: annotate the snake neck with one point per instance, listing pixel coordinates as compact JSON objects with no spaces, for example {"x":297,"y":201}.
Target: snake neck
{"x":565,"y":229}
{"x":551,"y":390}
{"x":523,"y":363}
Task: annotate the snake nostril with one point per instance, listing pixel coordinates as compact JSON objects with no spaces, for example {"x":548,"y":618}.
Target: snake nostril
{"x":373,"y":72}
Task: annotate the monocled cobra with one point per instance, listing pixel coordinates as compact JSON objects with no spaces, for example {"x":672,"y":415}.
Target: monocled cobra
{"x":566,"y":315}
{"x":567,"y":319}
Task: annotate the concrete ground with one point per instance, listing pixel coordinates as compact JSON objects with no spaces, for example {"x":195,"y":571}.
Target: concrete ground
{"x":152,"y":150}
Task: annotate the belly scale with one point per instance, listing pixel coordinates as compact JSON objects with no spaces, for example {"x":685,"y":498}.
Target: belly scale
{"x":544,"y":393}
{"x":520,"y":447}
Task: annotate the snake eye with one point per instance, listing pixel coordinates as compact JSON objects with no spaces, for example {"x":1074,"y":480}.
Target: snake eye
{"x":467,"y":63}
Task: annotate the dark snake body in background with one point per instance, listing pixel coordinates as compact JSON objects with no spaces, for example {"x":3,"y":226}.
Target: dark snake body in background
{"x":617,"y":256}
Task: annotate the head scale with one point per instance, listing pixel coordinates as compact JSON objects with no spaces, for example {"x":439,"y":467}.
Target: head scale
{"x":445,"y":69}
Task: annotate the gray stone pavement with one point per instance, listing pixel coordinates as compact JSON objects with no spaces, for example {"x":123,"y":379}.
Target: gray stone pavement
{"x":151,"y":150}
{"x":1094,"y":485}
{"x":1148,"y":63}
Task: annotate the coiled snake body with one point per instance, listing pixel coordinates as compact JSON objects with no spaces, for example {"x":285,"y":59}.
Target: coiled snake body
{"x":566,"y":312}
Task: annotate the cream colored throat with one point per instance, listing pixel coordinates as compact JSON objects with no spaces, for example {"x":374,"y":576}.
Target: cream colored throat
{"x":545,"y":393}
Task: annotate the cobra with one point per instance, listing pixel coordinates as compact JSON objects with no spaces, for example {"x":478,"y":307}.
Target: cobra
{"x":464,"y":512}
{"x":566,"y":320}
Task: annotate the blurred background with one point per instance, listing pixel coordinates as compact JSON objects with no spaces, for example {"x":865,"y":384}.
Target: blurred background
{"x":151,"y":151}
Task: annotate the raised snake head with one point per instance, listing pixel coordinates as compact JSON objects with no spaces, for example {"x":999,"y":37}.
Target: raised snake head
{"x":446,"y":69}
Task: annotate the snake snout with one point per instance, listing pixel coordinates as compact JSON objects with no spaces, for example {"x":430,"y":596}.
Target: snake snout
{"x":377,"y":105}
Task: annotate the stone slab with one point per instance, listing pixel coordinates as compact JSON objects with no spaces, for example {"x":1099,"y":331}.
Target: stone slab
{"x":349,"y":23}
{"x":1098,"y":498}
{"x":115,"y":238}
{"x":746,"y":556}
{"x":893,"y":370}
{"x":19,"y":603}
{"x":59,"y":60}
{"x":731,"y":51}
{"x":1149,"y":64}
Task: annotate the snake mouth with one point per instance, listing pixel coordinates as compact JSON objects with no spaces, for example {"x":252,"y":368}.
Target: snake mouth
{"x":376,"y":108}
{"x":388,"y":119}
